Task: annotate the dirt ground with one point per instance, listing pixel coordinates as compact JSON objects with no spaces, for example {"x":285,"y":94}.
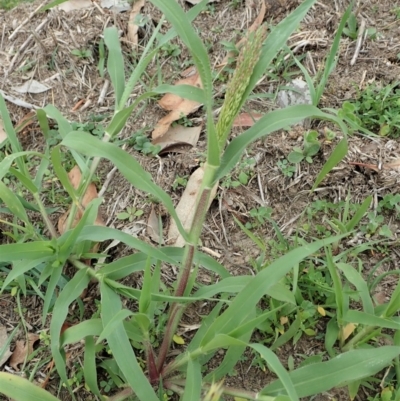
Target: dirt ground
{"x":76,"y":79}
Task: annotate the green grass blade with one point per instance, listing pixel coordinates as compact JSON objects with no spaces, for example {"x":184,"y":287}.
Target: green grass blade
{"x":115,"y":62}
{"x":394,"y":303}
{"x":119,"y":120}
{"x":124,"y":266}
{"x":337,"y":285}
{"x":355,"y":316}
{"x":24,"y":180}
{"x":331,"y":61}
{"x":199,"y":258}
{"x":331,"y":336}
{"x":11,"y":134}
{"x":89,"y":366}
{"x":121,"y":347}
{"x":14,"y":204}
{"x":127,"y":165}
{"x":246,"y":300}
{"x":78,"y":332}
{"x":64,"y":127}
{"x":19,"y":268}
{"x":193,"y":381}
{"x":276,"y":40}
{"x":343,"y":369}
{"x":359,"y":214}
{"x":72,"y":290}
{"x":177,"y":17}
{"x":100,"y":234}
{"x":184,"y":91}
{"x":268,"y":124}
{"x":30,"y":250}
{"x":250,"y":325}
{"x":233,"y":285}
{"x":335,"y":158}
{"x":20,"y":389}
{"x":357,"y":280}
{"x":119,"y":317}
{"x":279,"y":370}
{"x":61,"y":173}
{"x":205,"y":324}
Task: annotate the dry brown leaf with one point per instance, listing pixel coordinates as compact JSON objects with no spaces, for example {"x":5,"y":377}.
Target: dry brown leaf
{"x":132,"y":27}
{"x":178,"y":106}
{"x":246,"y":119}
{"x":254,"y":26}
{"x":22,"y":350}
{"x":177,"y":136}
{"x":3,"y":134}
{"x":3,"y":342}
{"x":347,"y":331}
{"x":153,"y":227}
{"x":91,"y":193}
{"x":187,"y":206}
{"x":71,"y":5}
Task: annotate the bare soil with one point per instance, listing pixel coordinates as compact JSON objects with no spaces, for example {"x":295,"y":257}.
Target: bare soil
{"x":74,"y":79}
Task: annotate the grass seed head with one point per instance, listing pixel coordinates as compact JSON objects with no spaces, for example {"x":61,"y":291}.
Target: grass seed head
{"x":247,"y":59}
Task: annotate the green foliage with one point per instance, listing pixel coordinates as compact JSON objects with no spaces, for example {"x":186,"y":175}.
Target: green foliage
{"x":287,"y":169}
{"x":293,"y":289}
{"x":351,"y":30}
{"x":311,"y":147}
{"x":9,"y":4}
{"x":377,"y":109}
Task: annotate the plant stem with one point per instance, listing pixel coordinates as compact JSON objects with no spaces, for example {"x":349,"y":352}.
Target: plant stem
{"x":46,"y":219}
{"x":194,"y":235}
{"x":235,"y":392}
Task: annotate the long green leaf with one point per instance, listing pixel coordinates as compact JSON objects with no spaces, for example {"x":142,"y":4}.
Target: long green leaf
{"x":394,"y":303}
{"x":193,"y":381}
{"x":276,"y":40}
{"x":19,"y":268}
{"x":354,"y":316}
{"x":20,"y":389}
{"x":277,"y":367}
{"x":121,"y":347}
{"x":247,"y":299}
{"x":268,"y":124}
{"x":71,"y":291}
{"x":89,"y":366}
{"x":337,"y":155}
{"x":343,"y":369}
{"x":100,"y":234}
{"x":357,"y":280}
{"x":14,"y":204}
{"x":115,"y":62}
{"x":78,"y":332}
{"x":176,"y":16}
{"x":236,"y":284}
{"x":30,"y":250}
{"x":128,"y":166}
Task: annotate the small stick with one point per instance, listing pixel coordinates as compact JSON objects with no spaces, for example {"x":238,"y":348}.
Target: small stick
{"x":18,"y":102}
{"x":26,"y":20}
{"x":103,"y":92}
{"x":109,"y":177}
{"x":360,"y":38}
{"x":77,"y":105}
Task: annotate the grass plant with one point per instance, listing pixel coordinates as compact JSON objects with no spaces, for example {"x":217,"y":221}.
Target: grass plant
{"x":140,"y":340}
